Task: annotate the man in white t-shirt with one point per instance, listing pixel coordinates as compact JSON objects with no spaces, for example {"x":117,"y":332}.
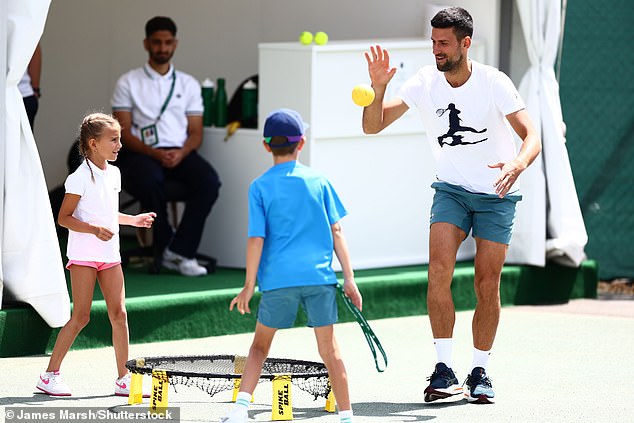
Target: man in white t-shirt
{"x":468,"y":110}
{"x":160,"y":110}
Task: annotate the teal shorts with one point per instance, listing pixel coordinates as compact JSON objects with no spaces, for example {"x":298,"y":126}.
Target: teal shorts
{"x":278,"y":307}
{"x":487,"y":216}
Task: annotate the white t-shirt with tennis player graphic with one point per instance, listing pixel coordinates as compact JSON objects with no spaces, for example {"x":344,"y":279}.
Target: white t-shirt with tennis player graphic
{"x":466,"y":126}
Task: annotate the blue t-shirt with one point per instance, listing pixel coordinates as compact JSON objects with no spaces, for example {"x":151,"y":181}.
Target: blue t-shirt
{"x":293,"y":207}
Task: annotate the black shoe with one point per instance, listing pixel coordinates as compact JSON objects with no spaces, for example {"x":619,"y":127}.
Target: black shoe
{"x":479,"y":387}
{"x":442,"y":384}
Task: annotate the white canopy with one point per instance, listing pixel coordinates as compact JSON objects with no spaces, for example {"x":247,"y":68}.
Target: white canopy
{"x":550,"y":223}
{"x":31,"y":268}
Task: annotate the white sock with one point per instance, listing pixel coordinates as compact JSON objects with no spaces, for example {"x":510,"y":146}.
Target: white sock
{"x":444,"y":348}
{"x":345,"y":416}
{"x":480,"y":358}
{"x":242,"y":402}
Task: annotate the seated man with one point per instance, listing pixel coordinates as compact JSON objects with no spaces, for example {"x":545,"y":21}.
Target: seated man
{"x":160,"y":110}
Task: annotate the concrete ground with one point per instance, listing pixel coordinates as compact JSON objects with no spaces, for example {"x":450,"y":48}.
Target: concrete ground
{"x":567,"y":363}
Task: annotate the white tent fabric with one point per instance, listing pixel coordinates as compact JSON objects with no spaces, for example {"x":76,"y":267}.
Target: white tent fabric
{"x":31,"y":268}
{"x":566,"y":233}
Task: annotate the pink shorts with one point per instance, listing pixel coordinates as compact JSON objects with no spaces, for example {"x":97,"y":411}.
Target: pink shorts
{"x":94,"y":264}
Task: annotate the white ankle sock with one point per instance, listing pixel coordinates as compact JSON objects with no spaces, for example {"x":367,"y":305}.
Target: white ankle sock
{"x":480,"y":358}
{"x":345,"y":416}
{"x":242,"y":401}
{"x":444,"y":348}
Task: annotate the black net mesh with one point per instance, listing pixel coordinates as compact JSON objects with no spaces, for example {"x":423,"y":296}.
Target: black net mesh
{"x":211,"y":386}
{"x":217,"y":373}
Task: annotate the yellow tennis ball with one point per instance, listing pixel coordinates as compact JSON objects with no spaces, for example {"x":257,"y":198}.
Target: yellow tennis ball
{"x":306,"y":38}
{"x":363,"y":95}
{"x":321,"y":38}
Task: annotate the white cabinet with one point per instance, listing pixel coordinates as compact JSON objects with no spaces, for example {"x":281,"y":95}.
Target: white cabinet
{"x":317,"y":81}
{"x":384,"y":180}
{"x":238,"y":161}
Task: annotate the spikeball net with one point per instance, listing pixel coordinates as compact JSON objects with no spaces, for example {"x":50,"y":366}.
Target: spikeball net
{"x":217,"y":373}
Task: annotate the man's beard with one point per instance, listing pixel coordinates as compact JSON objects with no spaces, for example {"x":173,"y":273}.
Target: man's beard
{"x":449,"y":64}
{"x":161,"y":59}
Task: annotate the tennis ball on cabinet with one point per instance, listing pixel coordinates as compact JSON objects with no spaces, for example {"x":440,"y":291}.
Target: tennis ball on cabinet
{"x":306,"y":38}
{"x":321,"y":38}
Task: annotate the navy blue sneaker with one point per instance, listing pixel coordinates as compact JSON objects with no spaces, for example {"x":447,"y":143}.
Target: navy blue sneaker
{"x":479,"y":387}
{"x":442,"y":384}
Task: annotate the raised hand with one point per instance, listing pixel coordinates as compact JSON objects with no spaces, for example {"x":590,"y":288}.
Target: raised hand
{"x":379,"y":66}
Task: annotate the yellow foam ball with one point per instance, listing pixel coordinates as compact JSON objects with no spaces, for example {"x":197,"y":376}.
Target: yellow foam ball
{"x":306,"y":38}
{"x":363,"y":95}
{"x":321,"y":38}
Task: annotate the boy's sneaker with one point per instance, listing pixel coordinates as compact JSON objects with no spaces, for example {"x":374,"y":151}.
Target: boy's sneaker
{"x":236,"y":416}
{"x":51,"y":383}
{"x":479,"y":387}
{"x":183,"y":265}
{"x":122,"y":386}
{"x":442,"y":384}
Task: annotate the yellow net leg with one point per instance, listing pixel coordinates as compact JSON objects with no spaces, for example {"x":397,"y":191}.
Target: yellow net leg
{"x":330,"y":403}
{"x":282,"y":408}
{"x":236,"y":389}
{"x":238,"y":364}
{"x":160,"y":384}
{"x":136,"y":389}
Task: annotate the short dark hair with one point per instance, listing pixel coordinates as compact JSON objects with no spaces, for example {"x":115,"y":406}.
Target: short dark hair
{"x":454,"y":17}
{"x":159,"y":23}
{"x":281,"y":147}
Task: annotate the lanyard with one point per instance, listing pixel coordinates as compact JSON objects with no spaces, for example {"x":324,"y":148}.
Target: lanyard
{"x":369,"y":334}
{"x":169,"y":96}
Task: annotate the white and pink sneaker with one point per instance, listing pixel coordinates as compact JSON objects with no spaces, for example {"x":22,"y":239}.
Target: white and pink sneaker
{"x":51,"y":383}
{"x":122,"y":387}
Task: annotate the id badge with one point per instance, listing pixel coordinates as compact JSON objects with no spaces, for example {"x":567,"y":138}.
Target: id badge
{"x":149,"y":135}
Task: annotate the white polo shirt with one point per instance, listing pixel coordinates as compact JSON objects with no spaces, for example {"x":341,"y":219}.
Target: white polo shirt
{"x":143,"y":92}
{"x":98,"y":205}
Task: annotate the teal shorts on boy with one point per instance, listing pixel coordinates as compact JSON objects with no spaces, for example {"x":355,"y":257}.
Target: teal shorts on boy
{"x":278,"y":307}
{"x":486,"y":215}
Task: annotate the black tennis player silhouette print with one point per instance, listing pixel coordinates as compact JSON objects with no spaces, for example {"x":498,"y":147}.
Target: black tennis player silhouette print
{"x":454,"y":127}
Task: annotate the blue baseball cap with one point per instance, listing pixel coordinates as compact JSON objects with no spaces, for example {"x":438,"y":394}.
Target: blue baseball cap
{"x":284,"y":123}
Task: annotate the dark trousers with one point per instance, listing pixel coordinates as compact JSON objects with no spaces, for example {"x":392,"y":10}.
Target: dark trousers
{"x":31,"y":104}
{"x":144,"y":178}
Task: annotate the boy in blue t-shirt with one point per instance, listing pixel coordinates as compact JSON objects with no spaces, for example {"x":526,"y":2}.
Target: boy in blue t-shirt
{"x":294,"y":227}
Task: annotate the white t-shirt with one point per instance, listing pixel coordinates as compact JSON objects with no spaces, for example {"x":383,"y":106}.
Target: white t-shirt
{"x":98,"y":205}
{"x":25,"y":85}
{"x":143,"y":92}
{"x":466,"y":126}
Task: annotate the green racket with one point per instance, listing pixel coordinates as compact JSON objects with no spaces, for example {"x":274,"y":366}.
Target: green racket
{"x":367,"y":330}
